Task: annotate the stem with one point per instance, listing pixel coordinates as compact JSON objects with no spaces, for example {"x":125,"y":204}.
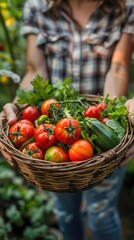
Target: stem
{"x":71,"y":101}
{"x":67,"y":114}
{"x":32,"y":139}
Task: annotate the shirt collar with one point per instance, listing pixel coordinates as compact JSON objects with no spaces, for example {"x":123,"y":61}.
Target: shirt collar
{"x":46,"y":5}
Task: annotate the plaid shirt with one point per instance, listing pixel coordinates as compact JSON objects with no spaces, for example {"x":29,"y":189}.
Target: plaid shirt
{"x":84,"y":56}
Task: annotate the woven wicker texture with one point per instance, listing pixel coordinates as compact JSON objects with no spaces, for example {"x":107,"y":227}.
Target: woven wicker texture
{"x":69,"y":176}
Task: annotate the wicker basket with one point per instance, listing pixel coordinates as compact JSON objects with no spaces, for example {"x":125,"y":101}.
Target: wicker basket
{"x":69,"y":176}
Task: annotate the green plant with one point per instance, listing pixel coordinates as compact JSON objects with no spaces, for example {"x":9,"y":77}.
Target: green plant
{"x":12,"y":47}
{"x":11,"y":40}
{"x":24,"y":212}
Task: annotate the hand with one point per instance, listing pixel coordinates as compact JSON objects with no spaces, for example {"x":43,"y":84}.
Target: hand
{"x":8,"y":112}
{"x":130,"y":153}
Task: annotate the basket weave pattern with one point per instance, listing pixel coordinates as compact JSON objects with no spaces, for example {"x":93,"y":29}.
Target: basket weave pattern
{"x":69,"y":176}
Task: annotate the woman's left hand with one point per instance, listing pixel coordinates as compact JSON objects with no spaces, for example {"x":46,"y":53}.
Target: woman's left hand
{"x":130,"y":153}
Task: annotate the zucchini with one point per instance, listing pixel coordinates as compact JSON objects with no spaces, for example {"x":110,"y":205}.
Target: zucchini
{"x":106,"y":138}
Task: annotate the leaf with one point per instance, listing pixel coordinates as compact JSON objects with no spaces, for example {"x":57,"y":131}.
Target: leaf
{"x":64,"y":91}
{"x":14,"y":215}
{"x":41,"y":87}
{"x":122,"y":111}
{"x":31,"y":233}
{"x":29,"y":97}
{"x":43,"y":90}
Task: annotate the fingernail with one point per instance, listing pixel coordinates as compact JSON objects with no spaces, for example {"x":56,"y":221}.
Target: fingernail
{"x":10,"y":162}
{"x":1,"y":147}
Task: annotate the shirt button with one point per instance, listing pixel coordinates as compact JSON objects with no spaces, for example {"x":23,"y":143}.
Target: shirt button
{"x":76,"y":72}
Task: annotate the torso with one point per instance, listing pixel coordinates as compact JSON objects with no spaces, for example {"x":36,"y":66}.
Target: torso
{"x":81,"y":55}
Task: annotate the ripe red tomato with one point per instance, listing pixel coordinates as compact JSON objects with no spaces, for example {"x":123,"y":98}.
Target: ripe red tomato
{"x":81,"y":150}
{"x":56,"y":154}
{"x":31,"y":113}
{"x":20,"y":132}
{"x":101,"y":106}
{"x":44,"y":135}
{"x":104,"y":120}
{"x":46,"y":107}
{"x":68,"y":131}
{"x":34,"y":150}
{"x":92,"y":112}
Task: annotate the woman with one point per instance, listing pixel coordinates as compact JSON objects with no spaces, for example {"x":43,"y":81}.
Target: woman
{"x":90,"y":41}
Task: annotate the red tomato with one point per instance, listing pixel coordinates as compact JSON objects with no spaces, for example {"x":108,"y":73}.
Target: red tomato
{"x":92,"y":112}
{"x":101,"y":106}
{"x":46,"y":107}
{"x":31,"y":113}
{"x":56,"y":154}
{"x":81,"y":150}
{"x":68,"y":131}
{"x":104,"y":120}
{"x":20,"y":132}
{"x":34,"y":150}
{"x":44,"y":135}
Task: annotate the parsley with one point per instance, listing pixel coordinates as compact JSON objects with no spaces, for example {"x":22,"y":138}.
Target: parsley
{"x":43,"y":90}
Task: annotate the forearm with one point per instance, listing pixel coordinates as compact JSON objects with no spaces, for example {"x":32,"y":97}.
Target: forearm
{"x":35,"y":62}
{"x":116,"y":83}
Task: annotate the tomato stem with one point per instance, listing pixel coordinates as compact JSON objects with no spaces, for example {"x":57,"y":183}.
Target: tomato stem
{"x":32,"y":139}
{"x":74,"y":101}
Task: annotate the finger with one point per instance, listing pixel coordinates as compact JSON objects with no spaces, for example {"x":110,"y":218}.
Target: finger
{"x":132,"y":119}
{"x":1,"y":146}
{"x":8,"y":158}
{"x":2,"y":117}
{"x":129,"y":151}
{"x":9,"y":110}
{"x":130,"y":106}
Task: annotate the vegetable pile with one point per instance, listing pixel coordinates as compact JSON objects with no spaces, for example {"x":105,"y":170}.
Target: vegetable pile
{"x":59,"y":125}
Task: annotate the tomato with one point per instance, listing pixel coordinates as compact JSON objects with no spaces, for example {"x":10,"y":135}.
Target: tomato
{"x":44,"y":135}
{"x":67,"y":130}
{"x":92,"y":112}
{"x":30,"y":113}
{"x":101,"y":106}
{"x":46,"y":107}
{"x":56,"y":154}
{"x":104,"y":120}
{"x":34,"y":150}
{"x":20,"y":132}
{"x":81,"y":150}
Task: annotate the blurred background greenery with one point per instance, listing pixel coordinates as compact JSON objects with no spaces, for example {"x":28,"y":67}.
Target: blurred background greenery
{"x":24,"y":214}
{"x":12,"y":46}
{"x":12,"y":58}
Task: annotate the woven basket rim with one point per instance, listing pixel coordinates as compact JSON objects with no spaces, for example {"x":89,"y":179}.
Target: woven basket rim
{"x":68,"y":176}
{"x":16,"y":152}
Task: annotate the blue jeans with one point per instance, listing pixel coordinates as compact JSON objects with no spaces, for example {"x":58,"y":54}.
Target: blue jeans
{"x":101,"y":200}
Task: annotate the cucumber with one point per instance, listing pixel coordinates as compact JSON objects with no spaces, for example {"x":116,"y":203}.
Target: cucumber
{"x":106,"y":137}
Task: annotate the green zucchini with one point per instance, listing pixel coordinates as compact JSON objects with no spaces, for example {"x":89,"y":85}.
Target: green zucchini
{"x":106,"y":138}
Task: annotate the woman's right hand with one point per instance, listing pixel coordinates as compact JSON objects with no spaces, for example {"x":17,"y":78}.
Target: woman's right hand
{"x":8,"y":112}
